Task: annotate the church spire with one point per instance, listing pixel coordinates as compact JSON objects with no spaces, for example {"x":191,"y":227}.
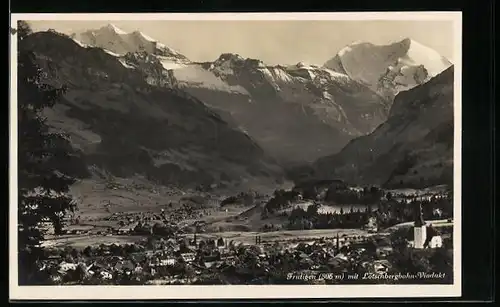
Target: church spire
{"x":419,"y":229}
{"x":419,"y":219}
{"x":338,"y":243}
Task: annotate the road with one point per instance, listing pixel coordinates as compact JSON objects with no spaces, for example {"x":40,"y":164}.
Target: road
{"x":82,"y":241}
{"x":435,"y":223}
{"x":249,"y":237}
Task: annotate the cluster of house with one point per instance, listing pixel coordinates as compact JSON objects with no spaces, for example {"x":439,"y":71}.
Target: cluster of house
{"x":155,"y":260}
{"x":371,"y":225}
{"x":342,"y":253}
{"x":216,"y":256}
{"x":128,"y":222}
{"x":337,"y":241}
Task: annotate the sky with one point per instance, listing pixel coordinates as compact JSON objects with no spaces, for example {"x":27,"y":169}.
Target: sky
{"x":274,"y":42}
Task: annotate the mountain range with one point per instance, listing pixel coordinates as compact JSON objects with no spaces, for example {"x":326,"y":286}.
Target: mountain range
{"x":138,"y":106}
{"x":319,"y":109}
{"x":126,"y":127}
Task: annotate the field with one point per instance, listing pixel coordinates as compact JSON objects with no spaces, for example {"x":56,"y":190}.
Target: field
{"x":248,"y":237}
{"x":82,"y":241}
{"x":105,"y":203}
{"x":100,"y":197}
{"x":420,"y":192}
{"x":435,"y":223}
{"x":282,"y":235}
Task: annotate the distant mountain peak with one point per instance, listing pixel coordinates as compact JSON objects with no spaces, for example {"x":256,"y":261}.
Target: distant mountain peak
{"x":230,"y":57}
{"x":390,"y":68}
{"x":144,"y":36}
{"x":114,"y":39}
{"x":305,"y":65}
{"x":112,"y":27}
{"x":406,"y":40}
{"x":359,"y":42}
{"x":231,"y":63}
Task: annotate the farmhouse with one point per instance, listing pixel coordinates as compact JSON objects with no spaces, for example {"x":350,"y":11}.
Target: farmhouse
{"x":66,"y":266}
{"x":383,"y":246}
{"x":436,"y":242}
{"x":78,"y":229}
{"x":381,"y":266}
{"x":127,"y":229}
{"x":188,"y":257}
{"x":167,"y":262}
{"x":106,"y":275}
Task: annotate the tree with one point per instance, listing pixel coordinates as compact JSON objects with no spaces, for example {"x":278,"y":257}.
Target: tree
{"x":88,"y":251}
{"x":150,"y":242}
{"x":312,"y":210}
{"x":159,"y":229}
{"x":265,"y":213}
{"x":43,"y":179}
{"x":389,"y":196}
{"x":442,"y":261}
{"x":220,"y":242}
{"x":75,"y":253}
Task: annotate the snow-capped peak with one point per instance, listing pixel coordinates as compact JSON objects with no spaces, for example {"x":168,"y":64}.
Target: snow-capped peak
{"x":111,"y":53}
{"x":229,"y":57}
{"x":302,"y":65}
{"x":358,"y":42}
{"x":352,"y":45}
{"x":227,"y":63}
{"x":153,"y":41}
{"x":114,"y":39}
{"x":418,"y":54}
{"x":144,"y":36}
{"x":168,"y":49}
{"x":115,"y":29}
{"x":79,"y":43}
{"x":396,"y":64}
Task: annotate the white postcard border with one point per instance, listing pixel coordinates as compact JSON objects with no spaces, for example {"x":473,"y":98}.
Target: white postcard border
{"x":17,"y":292}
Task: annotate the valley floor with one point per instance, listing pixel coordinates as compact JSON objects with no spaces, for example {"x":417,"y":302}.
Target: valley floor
{"x":116,"y":228}
{"x":84,"y":240}
{"x":108,"y":207}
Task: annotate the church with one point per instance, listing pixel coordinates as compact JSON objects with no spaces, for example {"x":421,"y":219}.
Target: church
{"x":424,"y":235}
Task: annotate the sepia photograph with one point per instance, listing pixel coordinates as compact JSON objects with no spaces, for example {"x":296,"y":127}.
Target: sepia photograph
{"x":277,"y":155}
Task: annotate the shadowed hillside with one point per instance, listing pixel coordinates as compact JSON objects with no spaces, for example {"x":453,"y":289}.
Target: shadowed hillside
{"x":414,"y":147}
{"x":128,"y":127}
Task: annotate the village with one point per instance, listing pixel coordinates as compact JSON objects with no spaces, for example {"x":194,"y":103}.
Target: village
{"x":183,"y":261}
{"x":162,"y":248}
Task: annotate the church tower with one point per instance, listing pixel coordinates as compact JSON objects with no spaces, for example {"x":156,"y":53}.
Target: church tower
{"x":338,"y":243}
{"x":419,"y":229}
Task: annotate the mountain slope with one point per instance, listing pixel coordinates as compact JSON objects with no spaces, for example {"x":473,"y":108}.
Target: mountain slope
{"x":296,"y":113}
{"x":389,"y":69}
{"x":333,"y":97}
{"x":126,"y":126}
{"x":414,"y":147}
